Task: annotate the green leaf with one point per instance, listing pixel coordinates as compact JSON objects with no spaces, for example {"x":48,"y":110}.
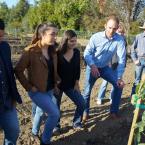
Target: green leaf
{"x":138,"y":136}
{"x":141,"y":129}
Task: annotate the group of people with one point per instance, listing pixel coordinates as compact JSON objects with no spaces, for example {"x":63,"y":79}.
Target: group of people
{"x":47,"y":70}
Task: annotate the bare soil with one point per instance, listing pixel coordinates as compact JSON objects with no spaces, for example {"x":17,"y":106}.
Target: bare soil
{"x":98,"y":130}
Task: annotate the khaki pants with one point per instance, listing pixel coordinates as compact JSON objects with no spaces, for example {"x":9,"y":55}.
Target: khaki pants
{"x":143,"y":77}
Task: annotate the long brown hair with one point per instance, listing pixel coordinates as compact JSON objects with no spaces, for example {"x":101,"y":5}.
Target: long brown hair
{"x":40,"y":30}
{"x":68,"y":34}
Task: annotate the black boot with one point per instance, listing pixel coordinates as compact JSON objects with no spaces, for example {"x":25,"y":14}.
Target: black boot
{"x":41,"y":143}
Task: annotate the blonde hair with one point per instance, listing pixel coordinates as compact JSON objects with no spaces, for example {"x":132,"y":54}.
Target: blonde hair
{"x":121,"y":28}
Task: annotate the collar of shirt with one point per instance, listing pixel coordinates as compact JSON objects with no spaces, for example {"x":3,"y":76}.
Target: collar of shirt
{"x":113,"y":37}
{"x":143,"y":34}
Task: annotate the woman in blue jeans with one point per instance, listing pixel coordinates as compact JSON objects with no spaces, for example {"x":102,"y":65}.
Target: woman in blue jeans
{"x":69,"y":73}
{"x":40,"y":60}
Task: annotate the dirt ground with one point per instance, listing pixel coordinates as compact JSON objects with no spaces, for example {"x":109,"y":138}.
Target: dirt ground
{"x":98,"y":130}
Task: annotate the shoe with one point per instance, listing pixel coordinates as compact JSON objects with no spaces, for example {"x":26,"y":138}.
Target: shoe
{"x":41,"y":143}
{"x":99,"y":102}
{"x":114,"y":116}
{"x":78,"y":126}
{"x":56,"y":131}
{"x":85,"y":117}
{"x":110,"y":101}
{"x":35,"y":136}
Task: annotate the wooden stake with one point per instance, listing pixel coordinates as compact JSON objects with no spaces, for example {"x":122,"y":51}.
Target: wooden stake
{"x":135,"y":118}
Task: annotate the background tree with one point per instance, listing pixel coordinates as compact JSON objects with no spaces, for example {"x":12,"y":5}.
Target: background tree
{"x":4,"y":11}
{"x":81,"y":15}
{"x":16,"y":15}
{"x":69,"y":13}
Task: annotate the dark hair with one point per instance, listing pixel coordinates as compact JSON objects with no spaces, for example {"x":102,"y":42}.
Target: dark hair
{"x":40,"y":30}
{"x":64,"y":42}
{"x":113,"y":17}
{"x":52,"y":49}
{"x":2,"y":24}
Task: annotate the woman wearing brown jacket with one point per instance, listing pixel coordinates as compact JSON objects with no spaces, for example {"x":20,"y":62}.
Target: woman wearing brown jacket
{"x":39,"y":60}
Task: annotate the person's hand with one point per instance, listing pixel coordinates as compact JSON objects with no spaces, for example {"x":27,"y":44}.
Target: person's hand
{"x":34,"y":89}
{"x":94,"y":70}
{"x":58,"y":79}
{"x":56,"y":90}
{"x":120,"y":83}
{"x":136,"y":62}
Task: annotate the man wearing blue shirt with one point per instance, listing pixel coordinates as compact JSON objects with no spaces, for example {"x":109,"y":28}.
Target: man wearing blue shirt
{"x":138,"y":57}
{"x":8,"y":93}
{"x":98,"y":53}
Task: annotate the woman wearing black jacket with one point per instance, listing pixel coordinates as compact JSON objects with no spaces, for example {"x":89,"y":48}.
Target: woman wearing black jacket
{"x":69,"y":73}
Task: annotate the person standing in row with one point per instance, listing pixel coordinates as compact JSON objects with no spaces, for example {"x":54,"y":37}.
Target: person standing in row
{"x":8,"y":93}
{"x":69,"y":73}
{"x":138,"y":57}
{"x":39,"y":60}
{"x":98,"y":53}
{"x":113,"y":64}
{"x":35,"y":38}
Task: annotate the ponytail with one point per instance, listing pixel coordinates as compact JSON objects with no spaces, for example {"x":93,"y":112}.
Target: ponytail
{"x":36,"y":35}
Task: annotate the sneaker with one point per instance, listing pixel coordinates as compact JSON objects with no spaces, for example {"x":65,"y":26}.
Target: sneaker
{"x":56,"y":131}
{"x":35,"y":136}
{"x":78,"y":126}
{"x":99,"y":102}
{"x":110,"y":101}
{"x":41,"y":143}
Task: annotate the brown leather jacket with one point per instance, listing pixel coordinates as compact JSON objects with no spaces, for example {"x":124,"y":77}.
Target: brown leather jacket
{"x":35,"y":64}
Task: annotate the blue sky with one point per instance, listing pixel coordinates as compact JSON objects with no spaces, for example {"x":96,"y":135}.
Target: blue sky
{"x":10,"y":3}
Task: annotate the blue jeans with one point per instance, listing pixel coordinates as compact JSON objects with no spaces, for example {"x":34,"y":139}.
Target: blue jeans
{"x":139,"y":70}
{"x":78,"y":100}
{"x":102,"y":90}
{"x":45,"y":103}
{"x":34,"y":106}
{"x":9,"y":123}
{"x":109,"y":75}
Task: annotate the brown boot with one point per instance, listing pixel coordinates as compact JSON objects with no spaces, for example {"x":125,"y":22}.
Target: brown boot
{"x":85,"y":117}
{"x":41,"y":143}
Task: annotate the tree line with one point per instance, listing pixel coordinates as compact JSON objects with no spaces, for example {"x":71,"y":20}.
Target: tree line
{"x":81,"y":15}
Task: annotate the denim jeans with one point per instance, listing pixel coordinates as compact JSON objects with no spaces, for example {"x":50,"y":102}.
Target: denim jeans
{"x":78,"y":100}
{"x":109,"y":75}
{"x":34,"y":106}
{"x":139,"y":70}
{"x":102,"y":91}
{"x":9,"y":123}
{"x":45,"y":103}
